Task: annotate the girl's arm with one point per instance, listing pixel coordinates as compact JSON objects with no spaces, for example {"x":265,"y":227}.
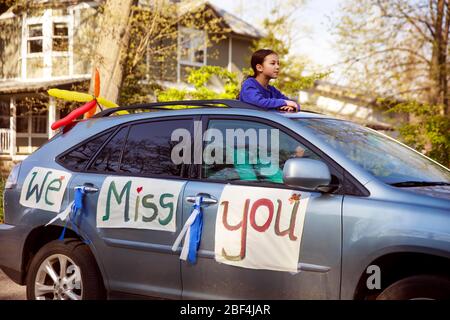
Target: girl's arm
{"x":289,"y":102}
{"x":253,"y":95}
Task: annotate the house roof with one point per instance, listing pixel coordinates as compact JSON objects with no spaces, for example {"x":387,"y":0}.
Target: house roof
{"x":10,"y":87}
{"x":236,"y":24}
{"x":17,"y":8}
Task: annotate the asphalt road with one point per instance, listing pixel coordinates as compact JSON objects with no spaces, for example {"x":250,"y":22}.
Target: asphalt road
{"x":9,"y":290}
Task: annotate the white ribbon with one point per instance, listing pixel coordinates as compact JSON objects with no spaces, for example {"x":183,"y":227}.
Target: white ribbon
{"x":62,"y":215}
{"x":186,"y":231}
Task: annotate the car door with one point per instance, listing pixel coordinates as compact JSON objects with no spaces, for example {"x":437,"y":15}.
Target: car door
{"x":267,"y":273}
{"x":133,"y":203}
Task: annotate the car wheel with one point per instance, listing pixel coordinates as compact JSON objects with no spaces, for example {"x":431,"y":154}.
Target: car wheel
{"x":421,"y":287}
{"x":64,"y":270}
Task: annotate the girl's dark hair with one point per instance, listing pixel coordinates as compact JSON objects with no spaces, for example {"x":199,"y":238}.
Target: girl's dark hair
{"x":257,"y":58}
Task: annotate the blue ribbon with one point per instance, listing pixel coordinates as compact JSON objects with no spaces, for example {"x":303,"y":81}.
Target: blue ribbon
{"x":76,"y":208}
{"x":195,"y":235}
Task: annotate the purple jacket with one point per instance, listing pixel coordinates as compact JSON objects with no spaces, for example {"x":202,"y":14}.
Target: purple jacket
{"x":254,"y":93}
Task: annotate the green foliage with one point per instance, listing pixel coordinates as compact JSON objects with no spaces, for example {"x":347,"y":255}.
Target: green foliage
{"x":428,"y":130}
{"x":200,"y":78}
{"x":172,"y":94}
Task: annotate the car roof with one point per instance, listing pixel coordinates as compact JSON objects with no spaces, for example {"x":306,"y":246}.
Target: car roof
{"x":199,"y":106}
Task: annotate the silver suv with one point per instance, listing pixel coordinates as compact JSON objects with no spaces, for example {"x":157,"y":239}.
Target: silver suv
{"x":293,"y":206}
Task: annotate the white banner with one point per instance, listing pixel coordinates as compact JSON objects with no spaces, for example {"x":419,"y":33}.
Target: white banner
{"x":44,"y":189}
{"x":260,"y":228}
{"x":139,"y":203}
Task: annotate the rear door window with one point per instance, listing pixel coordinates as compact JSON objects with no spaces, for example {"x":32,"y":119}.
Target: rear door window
{"x":148,"y":150}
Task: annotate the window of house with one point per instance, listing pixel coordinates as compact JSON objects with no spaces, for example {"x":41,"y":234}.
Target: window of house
{"x":60,"y":36}
{"x":192,"y":46}
{"x":78,"y":158}
{"x":31,"y":124}
{"x":23,"y":115}
{"x":35,"y":38}
{"x":39,"y":121}
{"x":47,"y":51}
{"x":31,"y":120}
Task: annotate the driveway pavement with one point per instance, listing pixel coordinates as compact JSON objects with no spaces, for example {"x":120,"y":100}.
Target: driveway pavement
{"x":9,"y":290}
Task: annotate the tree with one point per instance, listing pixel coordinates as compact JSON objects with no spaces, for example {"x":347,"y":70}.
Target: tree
{"x":149,"y":44}
{"x":397,"y":48}
{"x":112,"y":44}
{"x":430,"y":133}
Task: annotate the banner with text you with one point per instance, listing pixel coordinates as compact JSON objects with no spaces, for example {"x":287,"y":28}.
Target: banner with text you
{"x":260,"y":228}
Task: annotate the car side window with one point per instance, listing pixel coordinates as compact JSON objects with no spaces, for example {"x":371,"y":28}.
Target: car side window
{"x":109,"y":157}
{"x":250,"y":159}
{"x":78,"y":158}
{"x":149,"y":146}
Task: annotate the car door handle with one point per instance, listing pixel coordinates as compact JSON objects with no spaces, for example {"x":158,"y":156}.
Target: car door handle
{"x":206,"y":198}
{"x":89,"y":188}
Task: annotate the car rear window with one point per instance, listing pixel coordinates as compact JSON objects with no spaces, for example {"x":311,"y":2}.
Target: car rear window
{"x":108,"y":160}
{"x":77,"y":158}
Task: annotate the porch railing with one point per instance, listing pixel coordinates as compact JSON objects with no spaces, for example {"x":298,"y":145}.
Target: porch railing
{"x":5,"y":141}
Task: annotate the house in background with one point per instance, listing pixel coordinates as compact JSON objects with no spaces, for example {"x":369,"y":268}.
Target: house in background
{"x":46,"y":48}
{"x":347,"y":104}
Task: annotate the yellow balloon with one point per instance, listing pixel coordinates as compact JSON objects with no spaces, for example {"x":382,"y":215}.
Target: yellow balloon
{"x":70,"y":95}
{"x":110,"y":104}
{"x":106,"y":103}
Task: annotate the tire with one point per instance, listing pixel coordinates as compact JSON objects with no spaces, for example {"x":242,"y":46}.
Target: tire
{"x":417,"y":288}
{"x":80,"y":279}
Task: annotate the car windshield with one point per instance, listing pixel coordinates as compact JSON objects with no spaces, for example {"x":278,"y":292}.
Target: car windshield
{"x":385,"y":158}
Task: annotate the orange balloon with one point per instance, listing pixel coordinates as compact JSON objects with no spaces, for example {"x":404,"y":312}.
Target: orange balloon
{"x":90,"y":113}
{"x":97,"y":83}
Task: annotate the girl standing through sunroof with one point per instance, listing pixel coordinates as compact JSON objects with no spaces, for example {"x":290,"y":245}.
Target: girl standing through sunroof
{"x":256,"y":89}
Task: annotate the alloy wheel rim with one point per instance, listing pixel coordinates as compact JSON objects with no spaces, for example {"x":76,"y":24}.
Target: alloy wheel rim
{"x":58,"y":278}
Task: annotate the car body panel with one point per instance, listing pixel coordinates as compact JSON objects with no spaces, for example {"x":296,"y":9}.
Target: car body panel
{"x":135,"y":261}
{"x":319,"y":261}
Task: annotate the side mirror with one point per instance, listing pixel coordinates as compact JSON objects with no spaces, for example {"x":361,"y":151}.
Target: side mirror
{"x":307,"y":173}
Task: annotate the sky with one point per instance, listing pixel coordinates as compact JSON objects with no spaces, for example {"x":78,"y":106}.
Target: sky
{"x":313,"y":20}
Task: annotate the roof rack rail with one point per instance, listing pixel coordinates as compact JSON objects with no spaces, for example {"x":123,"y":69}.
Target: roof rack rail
{"x":198,"y":103}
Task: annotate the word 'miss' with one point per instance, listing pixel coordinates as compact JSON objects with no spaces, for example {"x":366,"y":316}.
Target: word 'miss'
{"x":260,"y":231}
{"x":44,"y":188}
{"x":140,"y":203}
